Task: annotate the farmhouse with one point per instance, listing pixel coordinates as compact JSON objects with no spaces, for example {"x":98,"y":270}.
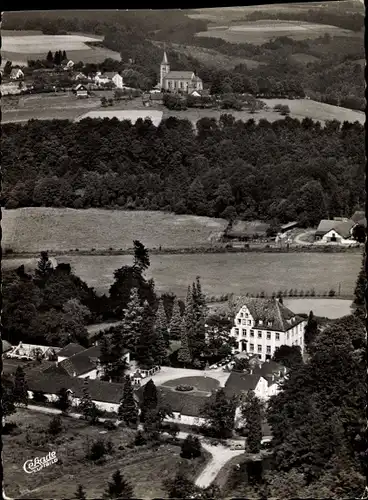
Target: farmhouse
{"x":16,"y":74}
{"x":117,"y":79}
{"x":76,"y":361}
{"x":178,"y":81}
{"x":334,"y":231}
{"x":261,"y":325}
{"x":81,"y":91}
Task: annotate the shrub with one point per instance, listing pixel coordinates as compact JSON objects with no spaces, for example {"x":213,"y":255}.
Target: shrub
{"x":184,"y":388}
{"x":140,"y":439}
{"x":191,"y":447}
{"x":109,"y":425}
{"x":97,"y":451}
{"x":55,"y":426}
{"x":331,"y":293}
{"x":39,"y":397}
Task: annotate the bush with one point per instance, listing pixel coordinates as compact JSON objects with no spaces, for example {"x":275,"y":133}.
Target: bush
{"x":140,"y":439}
{"x":55,"y":426}
{"x":109,"y":425}
{"x":331,"y":293}
{"x":39,"y":397}
{"x":191,"y":447}
{"x":184,"y":388}
{"x":97,"y":451}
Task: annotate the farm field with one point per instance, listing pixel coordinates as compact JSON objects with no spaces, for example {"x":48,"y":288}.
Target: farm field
{"x":144,"y":468}
{"x":259,"y":32}
{"x":62,"y":106}
{"x":35,"y":229}
{"x":225,"y":273}
{"x":330,"y":308}
{"x":20,"y":46}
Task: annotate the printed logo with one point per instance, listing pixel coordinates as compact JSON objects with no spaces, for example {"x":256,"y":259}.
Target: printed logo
{"x":36,"y":464}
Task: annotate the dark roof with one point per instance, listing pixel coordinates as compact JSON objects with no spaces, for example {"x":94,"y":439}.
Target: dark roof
{"x":269,"y":311}
{"x":180,"y":75}
{"x":71,"y":349}
{"x":270,"y":370}
{"x":342,"y":228}
{"x":186,"y":403}
{"x":51,"y":383}
{"x":358,"y":216}
{"x":239,"y":382}
{"x":6,"y":346}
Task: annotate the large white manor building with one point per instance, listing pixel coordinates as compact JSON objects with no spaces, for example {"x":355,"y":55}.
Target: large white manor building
{"x":261,"y":325}
{"x":175,"y":81}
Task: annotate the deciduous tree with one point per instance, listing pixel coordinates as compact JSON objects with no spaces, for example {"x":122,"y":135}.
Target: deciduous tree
{"x":219,"y":413}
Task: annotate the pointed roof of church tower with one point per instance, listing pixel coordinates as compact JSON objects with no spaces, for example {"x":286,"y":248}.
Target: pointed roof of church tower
{"x":164,"y":59}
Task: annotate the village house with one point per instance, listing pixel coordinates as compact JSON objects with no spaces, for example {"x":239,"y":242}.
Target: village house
{"x":67,"y":64}
{"x":16,"y":74}
{"x":262,"y":325}
{"x":80,"y":76}
{"x":178,"y":81}
{"x":77,"y":361}
{"x":117,"y":79}
{"x":108,"y":77}
{"x":336,"y":231}
{"x":81,"y":91}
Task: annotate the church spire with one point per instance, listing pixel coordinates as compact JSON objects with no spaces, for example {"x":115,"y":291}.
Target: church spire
{"x":164,"y":59}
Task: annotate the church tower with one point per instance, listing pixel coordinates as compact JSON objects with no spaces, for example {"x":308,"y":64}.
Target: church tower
{"x":164,"y":69}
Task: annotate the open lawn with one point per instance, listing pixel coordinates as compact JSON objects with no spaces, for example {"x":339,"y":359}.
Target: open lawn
{"x":36,"y":229}
{"x":19,"y":46}
{"x":64,"y":106}
{"x":145,"y":468}
{"x":226,"y":273}
{"x":329,"y":308}
{"x":259,"y":32}
{"x":301,"y":108}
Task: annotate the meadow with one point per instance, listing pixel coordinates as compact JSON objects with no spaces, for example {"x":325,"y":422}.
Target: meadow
{"x":259,"y":32}
{"x":35,"y":229}
{"x":20,"y":46}
{"x":329,"y":308}
{"x":66,"y":106}
{"x":226,"y":273}
{"x":144,"y":467}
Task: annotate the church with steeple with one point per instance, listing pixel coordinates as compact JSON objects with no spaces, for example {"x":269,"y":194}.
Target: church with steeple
{"x":178,"y":81}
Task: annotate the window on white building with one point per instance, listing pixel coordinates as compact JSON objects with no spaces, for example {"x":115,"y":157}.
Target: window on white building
{"x":239,"y":321}
{"x":244,"y":332}
{"x":181,"y":85}
{"x":268,"y":349}
{"x":251,"y":347}
{"x":259,"y":348}
{"x":268,"y":335}
{"x":252,"y":333}
{"x":277,"y":336}
{"x":169,"y":83}
{"x":244,"y":321}
{"x":259,"y":334}
{"x":237,"y":331}
{"x":241,"y":315}
{"x":249,"y":322}
{"x":261,"y":322}
{"x":246,"y":315}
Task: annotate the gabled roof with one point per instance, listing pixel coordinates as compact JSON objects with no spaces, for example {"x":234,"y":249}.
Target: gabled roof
{"x":342,"y":228}
{"x":15,"y":71}
{"x":179,"y":75}
{"x":239,"y":382}
{"x":6,"y":346}
{"x":269,"y":311}
{"x":51,"y":383}
{"x":71,"y":349}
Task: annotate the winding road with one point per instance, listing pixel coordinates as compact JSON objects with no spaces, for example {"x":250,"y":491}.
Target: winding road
{"x":220,"y":454}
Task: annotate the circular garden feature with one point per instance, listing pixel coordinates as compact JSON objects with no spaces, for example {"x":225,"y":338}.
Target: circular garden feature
{"x":196,"y":384}
{"x":184,"y":388}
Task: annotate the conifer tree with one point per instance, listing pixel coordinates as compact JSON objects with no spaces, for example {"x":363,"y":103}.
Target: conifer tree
{"x":44,"y":269}
{"x":251,"y":411}
{"x":64,"y":56}
{"x":132,"y":322}
{"x":49,"y":57}
{"x":127,"y":408}
{"x":311,"y":329}
{"x":360,"y":292}
{"x":184,"y":354}
{"x":149,"y":399}
{"x":176,"y":322}
{"x":119,"y":488}
{"x":57,"y":58}
{"x":141,"y":257}
{"x":145,"y":350}
{"x":80,"y":494}
{"x":161,"y":326}
{"x":87,"y":406}
{"x":20,"y":387}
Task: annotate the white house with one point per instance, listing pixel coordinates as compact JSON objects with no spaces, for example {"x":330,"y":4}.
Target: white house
{"x":262,"y":325}
{"x":337,"y":231}
{"x":103,"y":78}
{"x":16,"y":74}
{"x":117,"y":79}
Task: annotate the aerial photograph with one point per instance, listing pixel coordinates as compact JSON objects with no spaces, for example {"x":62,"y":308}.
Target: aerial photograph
{"x":183,"y":238}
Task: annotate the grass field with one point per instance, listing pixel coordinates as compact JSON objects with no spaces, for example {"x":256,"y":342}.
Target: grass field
{"x":225,"y":273}
{"x":36,"y":229}
{"x":330,"y":308}
{"x":259,"y":32}
{"x":20,"y":46}
{"x":144,"y":468}
{"x":64,"y":106}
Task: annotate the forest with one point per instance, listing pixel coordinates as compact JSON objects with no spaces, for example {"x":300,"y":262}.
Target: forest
{"x":286,"y":170}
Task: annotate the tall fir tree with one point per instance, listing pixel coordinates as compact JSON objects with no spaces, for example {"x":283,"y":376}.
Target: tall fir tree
{"x":127,"y":408}
{"x":161,"y":325}
{"x":251,"y":412}
{"x":145,"y":349}
{"x":175,"y":322}
{"x":190,"y":317}
{"x":118,"y":488}
{"x":184,"y":354}
{"x":132,"y":322}
{"x":197,"y":312}
{"x":141,"y":256}
{"x":112,"y":361}
{"x":57,"y":58}
{"x":43,"y":270}
{"x":64,"y":56}
{"x":360,"y":292}
{"x":149,"y":399}
{"x":20,"y":387}
{"x":86,"y":406}
{"x":311,"y":329}
{"x":49,"y":57}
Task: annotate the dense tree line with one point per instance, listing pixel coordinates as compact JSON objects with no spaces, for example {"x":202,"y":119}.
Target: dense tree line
{"x":285,"y":170}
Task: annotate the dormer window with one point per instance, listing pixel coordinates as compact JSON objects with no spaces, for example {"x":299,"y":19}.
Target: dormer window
{"x":261,"y":322}
{"x":269,"y":323}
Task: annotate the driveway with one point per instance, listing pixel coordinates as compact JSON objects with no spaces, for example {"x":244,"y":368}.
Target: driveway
{"x":168,"y":373}
{"x":299,"y":241}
